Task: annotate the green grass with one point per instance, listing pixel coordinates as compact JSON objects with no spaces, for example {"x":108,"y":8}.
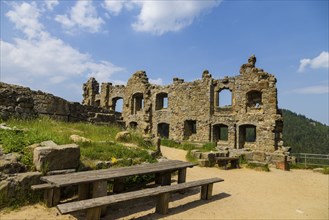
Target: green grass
{"x":189,"y":157}
{"x":184,"y":146}
{"x":137,"y":139}
{"x":259,"y":167}
{"x":210,"y":146}
{"x":107,"y":151}
{"x":41,"y":129}
{"x":189,"y":146}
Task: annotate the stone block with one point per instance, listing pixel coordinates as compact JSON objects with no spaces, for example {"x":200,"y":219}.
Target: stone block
{"x":203,"y":163}
{"x":56,"y":157}
{"x":259,"y":156}
{"x":77,"y":138}
{"x":282,"y":166}
{"x":249,"y":156}
{"x":276,"y":158}
{"x":9,"y":164}
{"x":123,"y":136}
{"x":18,"y":186}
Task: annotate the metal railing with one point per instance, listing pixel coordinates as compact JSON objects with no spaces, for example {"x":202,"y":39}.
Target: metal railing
{"x":311,"y":159}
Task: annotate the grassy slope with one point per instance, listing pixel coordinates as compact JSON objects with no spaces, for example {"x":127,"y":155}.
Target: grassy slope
{"x":102,"y":147}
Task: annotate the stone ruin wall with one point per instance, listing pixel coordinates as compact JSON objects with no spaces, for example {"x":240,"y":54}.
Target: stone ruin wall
{"x":22,"y":102}
{"x":193,"y":111}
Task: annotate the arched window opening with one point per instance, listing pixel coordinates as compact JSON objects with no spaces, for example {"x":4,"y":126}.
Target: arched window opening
{"x":220,"y":132}
{"x":163,"y":130}
{"x":133,"y":125}
{"x":161,"y":101}
{"x":117,"y":104}
{"x":224,"y":98}
{"x":254,"y":99}
{"x":98,"y":103}
{"x":137,"y":103}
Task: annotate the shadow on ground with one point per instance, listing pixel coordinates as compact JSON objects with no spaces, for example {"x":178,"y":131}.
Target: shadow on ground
{"x":126,"y":209}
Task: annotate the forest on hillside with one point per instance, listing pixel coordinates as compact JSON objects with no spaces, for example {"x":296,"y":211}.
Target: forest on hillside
{"x":304,"y":135}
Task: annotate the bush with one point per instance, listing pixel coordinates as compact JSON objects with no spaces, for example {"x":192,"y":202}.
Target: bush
{"x":210,"y":146}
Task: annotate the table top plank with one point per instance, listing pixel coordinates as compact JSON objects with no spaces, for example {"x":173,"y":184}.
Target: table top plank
{"x":112,"y":173}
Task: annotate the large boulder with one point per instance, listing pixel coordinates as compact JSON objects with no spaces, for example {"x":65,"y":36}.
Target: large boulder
{"x":51,"y":156}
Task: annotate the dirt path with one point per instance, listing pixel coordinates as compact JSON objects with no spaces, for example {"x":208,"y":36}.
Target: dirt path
{"x":245,"y":194}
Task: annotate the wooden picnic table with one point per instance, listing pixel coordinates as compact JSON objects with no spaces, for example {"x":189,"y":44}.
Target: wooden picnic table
{"x":98,"y":178}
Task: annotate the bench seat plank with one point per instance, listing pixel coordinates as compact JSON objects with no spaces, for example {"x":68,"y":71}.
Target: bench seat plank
{"x":112,"y":173}
{"x":42,"y":186}
{"x":112,"y":199}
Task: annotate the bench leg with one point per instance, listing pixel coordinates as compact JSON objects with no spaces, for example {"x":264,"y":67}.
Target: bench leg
{"x":118,"y":185}
{"x":162,"y":203}
{"x":84,"y":191}
{"x":234,"y":163}
{"x":163,"y":179}
{"x":52,"y":196}
{"x":182,"y":175}
{"x":206,"y":191}
{"x":99,"y":190}
{"x":94,"y":214}
{"x":166,"y":179}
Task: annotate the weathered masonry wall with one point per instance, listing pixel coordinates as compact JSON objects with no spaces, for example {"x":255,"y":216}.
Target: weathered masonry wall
{"x":22,"y":102}
{"x":195,"y":111}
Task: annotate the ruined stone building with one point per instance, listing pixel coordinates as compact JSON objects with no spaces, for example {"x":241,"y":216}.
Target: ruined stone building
{"x":193,"y":111}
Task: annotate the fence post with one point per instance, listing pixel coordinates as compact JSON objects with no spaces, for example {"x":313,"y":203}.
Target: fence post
{"x":305,"y":160}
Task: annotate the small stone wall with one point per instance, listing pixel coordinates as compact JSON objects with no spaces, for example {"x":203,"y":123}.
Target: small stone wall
{"x":22,"y":102}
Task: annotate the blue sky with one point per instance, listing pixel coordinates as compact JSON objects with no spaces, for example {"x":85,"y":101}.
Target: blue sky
{"x":55,"y":46}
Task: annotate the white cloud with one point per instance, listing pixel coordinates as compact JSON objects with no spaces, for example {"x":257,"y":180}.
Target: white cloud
{"x":102,"y":71}
{"x":114,"y":7}
{"x":83,"y":15}
{"x":159,"y":17}
{"x":50,"y":4}
{"x":321,"y":61}
{"x":42,"y":60}
{"x":313,"y":90}
{"x":25,"y":17}
{"x":157,"y":81}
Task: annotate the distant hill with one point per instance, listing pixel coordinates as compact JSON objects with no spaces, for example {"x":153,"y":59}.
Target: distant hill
{"x":304,"y":135}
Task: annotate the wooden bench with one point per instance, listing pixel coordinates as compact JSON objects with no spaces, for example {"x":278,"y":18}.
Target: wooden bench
{"x":223,"y":161}
{"x":94,"y":206}
{"x":93,"y":183}
{"x":51,"y":193}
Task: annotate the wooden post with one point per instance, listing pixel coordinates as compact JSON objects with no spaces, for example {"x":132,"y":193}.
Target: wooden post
{"x":99,"y":190}
{"x":206,"y":191}
{"x":162,"y":203}
{"x":166,"y":179}
{"x":182,"y":175}
{"x":118,"y":185}
{"x":157,"y":178}
{"x":52,"y":196}
{"x":84,"y":191}
{"x":94,"y":214}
